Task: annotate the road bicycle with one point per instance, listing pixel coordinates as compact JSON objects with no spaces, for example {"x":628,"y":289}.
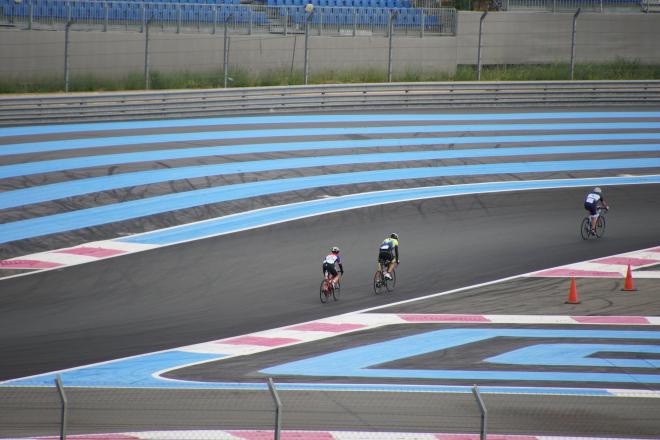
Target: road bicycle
{"x":381,"y":282}
{"x":585,"y":227}
{"x":329,"y":289}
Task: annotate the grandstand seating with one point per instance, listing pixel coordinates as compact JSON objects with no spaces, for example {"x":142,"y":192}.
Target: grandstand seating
{"x":335,"y":12}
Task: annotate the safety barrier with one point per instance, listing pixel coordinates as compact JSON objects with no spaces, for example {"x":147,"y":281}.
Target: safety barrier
{"x":145,"y":105}
{"x":572,"y":5}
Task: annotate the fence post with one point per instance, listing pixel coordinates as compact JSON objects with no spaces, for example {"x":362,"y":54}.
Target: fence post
{"x":306,"y":68}
{"x":483,"y":410}
{"x":251,"y":18}
{"x":225,"y":53}
{"x":215,"y":18}
{"x":422,"y":24}
{"x":354,"y":21}
{"x":66,"y":56}
{"x":178,"y":18}
{"x":106,"y":16}
{"x":481,"y":23}
{"x":286,"y":21}
{"x":278,"y":408}
{"x":573,"y":43}
{"x":147,"y":79}
{"x":144,"y":17}
{"x":390,"y":31}
{"x":30,"y":14}
{"x":63,"y":399}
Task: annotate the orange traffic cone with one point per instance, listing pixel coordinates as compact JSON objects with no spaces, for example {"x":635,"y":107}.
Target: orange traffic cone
{"x":572,"y":294}
{"x":628,"y":285}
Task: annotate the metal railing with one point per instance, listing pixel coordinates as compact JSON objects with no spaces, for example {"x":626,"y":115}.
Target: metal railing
{"x":203,"y":414}
{"x":246,"y":19}
{"x":572,"y":5}
{"x":147,"y":105}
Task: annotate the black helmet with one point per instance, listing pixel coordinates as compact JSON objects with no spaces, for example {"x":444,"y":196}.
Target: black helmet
{"x":394,"y":235}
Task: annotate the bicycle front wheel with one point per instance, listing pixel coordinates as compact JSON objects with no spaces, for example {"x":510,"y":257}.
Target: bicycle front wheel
{"x":391,"y":283}
{"x":322,"y":292}
{"x":600,"y":226}
{"x":585,"y":228}
{"x":379,"y":285}
{"x":336,"y":291}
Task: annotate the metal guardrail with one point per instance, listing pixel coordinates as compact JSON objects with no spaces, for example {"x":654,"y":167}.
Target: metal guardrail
{"x":21,"y":110}
{"x":572,"y":5}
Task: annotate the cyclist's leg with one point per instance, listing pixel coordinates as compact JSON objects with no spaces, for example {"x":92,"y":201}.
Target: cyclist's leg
{"x":383,"y":260}
{"x":333,"y":273}
{"x":391,"y":266}
{"x":327,"y":271}
{"x":593,"y":214}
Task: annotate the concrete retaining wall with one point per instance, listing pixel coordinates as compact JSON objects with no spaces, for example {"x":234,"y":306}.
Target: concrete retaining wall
{"x":509,"y":38}
{"x":542,"y":37}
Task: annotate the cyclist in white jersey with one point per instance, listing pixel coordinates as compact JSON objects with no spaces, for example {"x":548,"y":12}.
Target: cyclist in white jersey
{"x":591,"y":203}
{"x":329,"y":265}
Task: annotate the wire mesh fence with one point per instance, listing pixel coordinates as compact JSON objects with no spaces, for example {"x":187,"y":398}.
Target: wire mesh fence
{"x":572,"y":5}
{"x":251,"y":413}
{"x":157,"y":58}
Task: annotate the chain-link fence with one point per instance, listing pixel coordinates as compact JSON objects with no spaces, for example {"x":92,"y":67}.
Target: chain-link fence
{"x":146,"y":52}
{"x":584,"y":5}
{"x":229,"y":414}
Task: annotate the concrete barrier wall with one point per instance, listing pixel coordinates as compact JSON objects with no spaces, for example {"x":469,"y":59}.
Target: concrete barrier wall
{"x":113,"y":54}
{"x":509,"y":38}
{"x":542,"y":37}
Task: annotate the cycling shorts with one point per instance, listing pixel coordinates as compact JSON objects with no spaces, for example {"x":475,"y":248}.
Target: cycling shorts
{"x":591,"y":207}
{"x":330,"y":268}
{"x":385,"y":256}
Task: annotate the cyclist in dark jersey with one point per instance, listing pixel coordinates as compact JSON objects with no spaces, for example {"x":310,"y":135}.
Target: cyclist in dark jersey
{"x":592,"y":202}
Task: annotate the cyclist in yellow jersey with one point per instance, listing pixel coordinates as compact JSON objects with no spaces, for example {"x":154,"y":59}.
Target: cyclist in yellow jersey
{"x":388,"y":253}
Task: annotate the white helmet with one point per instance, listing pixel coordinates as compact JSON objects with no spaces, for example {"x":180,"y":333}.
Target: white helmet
{"x":335,"y":249}
{"x":597,"y":190}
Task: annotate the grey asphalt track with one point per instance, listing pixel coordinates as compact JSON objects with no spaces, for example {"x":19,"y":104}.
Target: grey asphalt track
{"x":261,"y":279}
{"x":268,"y":277}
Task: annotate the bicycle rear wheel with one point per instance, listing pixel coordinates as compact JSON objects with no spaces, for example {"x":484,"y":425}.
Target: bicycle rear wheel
{"x":379,"y":284}
{"x":322,"y":292}
{"x":600,"y":226}
{"x":585,"y":228}
{"x":389,"y":284}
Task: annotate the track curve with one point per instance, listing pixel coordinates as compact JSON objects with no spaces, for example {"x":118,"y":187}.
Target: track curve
{"x":195,"y":291}
{"x":265,"y":278}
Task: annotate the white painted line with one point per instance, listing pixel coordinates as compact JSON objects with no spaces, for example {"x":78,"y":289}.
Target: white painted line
{"x":134,"y":247}
{"x":646,"y":274}
{"x":60,"y":258}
